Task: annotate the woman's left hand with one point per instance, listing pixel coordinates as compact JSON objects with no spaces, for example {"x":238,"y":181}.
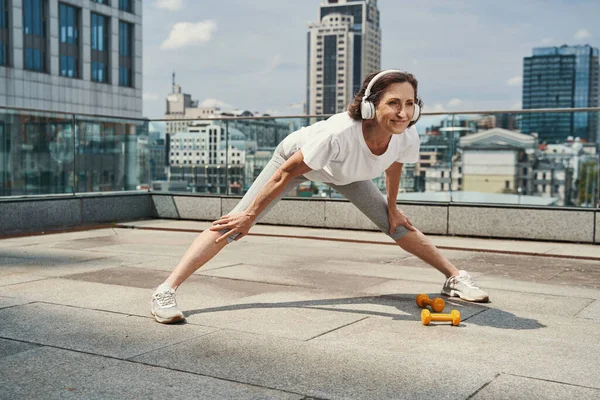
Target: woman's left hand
{"x":397,"y":218}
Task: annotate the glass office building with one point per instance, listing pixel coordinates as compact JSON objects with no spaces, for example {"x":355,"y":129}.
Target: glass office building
{"x":342,"y":47}
{"x":561,"y":77}
{"x":75,"y":57}
{"x":67,"y":70}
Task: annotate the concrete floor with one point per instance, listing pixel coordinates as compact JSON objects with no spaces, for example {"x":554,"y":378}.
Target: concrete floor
{"x":293,"y":313}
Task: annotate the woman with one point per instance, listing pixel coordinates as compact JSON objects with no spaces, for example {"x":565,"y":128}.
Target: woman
{"x":346,"y":152}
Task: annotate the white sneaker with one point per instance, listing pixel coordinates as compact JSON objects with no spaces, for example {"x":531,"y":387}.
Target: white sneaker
{"x":164,"y":306}
{"x":463,"y":286}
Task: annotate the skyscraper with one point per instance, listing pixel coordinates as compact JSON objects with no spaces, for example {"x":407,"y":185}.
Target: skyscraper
{"x":343,"y":47}
{"x":561,"y":77}
{"x":82,"y":57}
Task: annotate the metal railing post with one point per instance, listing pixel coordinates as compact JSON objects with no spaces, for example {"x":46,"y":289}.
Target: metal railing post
{"x":74,"y":142}
{"x":227,"y":158}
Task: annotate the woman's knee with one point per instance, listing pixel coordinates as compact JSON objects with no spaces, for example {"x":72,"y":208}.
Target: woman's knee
{"x":231,"y":238}
{"x":398,"y":233}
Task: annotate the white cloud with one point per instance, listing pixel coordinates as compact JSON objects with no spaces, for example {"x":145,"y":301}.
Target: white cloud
{"x":582,"y":34}
{"x":515,"y":81}
{"x":185,"y":34}
{"x":216,"y":103}
{"x":172,"y":5}
{"x":437,"y":108}
{"x":455,"y":103}
{"x":547,"y":41}
{"x":150,"y":96}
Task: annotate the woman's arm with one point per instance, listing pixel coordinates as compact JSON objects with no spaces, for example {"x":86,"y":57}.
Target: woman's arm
{"x":290,"y":169}
{"x":243,"y":221}
{"x":392,"y":183}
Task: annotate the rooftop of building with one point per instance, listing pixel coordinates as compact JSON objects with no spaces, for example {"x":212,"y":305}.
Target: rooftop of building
{"x":293,"y":313}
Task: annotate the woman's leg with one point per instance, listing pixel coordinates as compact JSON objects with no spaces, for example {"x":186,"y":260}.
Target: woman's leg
{"x":371,"y":202}
{"x":164,"y":304}
{"x":204,"y":247}
{"x":369,"y":199}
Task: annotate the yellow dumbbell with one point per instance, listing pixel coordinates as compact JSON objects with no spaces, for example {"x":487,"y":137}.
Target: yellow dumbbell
{"x":436,"y":304}
{"x":427,"y":317}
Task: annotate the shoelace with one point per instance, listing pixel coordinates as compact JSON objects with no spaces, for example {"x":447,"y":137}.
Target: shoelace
{"x":165,"y":299}
{"x":467,"y":280}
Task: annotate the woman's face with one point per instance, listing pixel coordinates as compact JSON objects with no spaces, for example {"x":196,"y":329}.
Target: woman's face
{"x":396,"y":108}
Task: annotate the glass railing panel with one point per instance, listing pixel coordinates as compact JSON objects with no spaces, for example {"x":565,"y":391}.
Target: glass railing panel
{"x":526,"y":158}
{"x":36,"y":153}
{"x":252,"y":143}
{"x":110,"y":154}
{"x":521,"y":157}
{"x":217,"y":156}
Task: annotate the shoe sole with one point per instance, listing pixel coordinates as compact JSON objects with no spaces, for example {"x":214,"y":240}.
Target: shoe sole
{"x":456,"y":293}
{"x":169,"y":320}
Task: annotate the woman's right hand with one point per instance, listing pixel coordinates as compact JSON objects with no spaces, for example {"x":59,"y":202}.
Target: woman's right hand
{"x":236,"y":223}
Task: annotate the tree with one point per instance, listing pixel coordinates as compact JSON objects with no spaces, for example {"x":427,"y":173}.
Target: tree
{"x":587,"y":184}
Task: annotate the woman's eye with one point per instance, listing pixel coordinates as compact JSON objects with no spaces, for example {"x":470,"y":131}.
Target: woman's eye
{"x":393,"y":103}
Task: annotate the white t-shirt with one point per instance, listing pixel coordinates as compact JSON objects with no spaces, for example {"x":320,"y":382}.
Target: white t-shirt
{"x":337,"y":153}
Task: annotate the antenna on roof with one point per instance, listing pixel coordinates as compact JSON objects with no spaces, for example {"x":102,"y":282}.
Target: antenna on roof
{"x":173,"y":81}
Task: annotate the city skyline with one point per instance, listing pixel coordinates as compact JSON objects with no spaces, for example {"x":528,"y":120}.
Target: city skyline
{"x":466,"y":55}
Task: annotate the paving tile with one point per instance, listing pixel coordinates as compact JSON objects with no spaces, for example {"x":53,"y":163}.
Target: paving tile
{"x":8,"y":278}
{"x":64,"y":237}
{"x":11,"y":302}
{"x":322,"y":369}
{"x":538,"y":346}
{"x":287,"y":319}
{"x":292,"y":276}
{"x":91,"y":331}
{"x":10,"y":347}
{"x":573,"y":276}
{"x":511,"y":387}
{"x":592,"y":311}
{"x":55,"y":373}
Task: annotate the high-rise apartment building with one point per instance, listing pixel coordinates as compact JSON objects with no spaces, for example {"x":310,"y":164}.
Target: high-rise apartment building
{"x":74,"y":56}
{"x":343,"y":47}
{"x":561,"y":77}
{"x":181,"y":108}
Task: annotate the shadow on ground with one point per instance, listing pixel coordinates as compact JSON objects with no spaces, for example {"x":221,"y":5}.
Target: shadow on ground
{"x":474,"y":313}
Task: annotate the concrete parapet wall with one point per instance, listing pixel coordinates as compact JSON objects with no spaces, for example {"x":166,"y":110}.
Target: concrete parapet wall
{"x":46,"y":213}
{"x":557,"y":224}
{"x":481,"y":220}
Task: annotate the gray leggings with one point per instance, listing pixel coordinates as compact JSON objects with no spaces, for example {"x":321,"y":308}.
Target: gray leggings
{"x":363,"y":194}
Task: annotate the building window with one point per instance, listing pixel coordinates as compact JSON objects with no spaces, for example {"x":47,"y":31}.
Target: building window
{"x":107,"y":2}
{"x":35,"y":17}
{"x":126,"y":5}
{"x":100,"y":48}
{"x":68,"y":22}
{"x":4,"y":38}
{"x":125,"y":54}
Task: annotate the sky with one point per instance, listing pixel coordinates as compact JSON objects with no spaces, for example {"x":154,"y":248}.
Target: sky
{"x":251,"y":54}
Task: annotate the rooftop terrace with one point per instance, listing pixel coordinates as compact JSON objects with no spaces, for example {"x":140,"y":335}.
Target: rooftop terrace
{"x":293,"y":313}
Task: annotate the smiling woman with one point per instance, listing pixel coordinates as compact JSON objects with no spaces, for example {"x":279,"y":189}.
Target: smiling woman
{"x":346,"y":152}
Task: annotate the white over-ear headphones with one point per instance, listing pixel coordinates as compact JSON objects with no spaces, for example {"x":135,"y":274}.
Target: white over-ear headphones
{"x":367,"y":108}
